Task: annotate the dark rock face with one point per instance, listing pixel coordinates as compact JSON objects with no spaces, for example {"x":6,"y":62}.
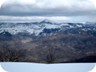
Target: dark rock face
{"x":70,"y":43}
{"x":5,"y":36}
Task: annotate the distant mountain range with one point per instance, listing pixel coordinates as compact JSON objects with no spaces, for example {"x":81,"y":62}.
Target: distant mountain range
{"x":48,"y":42}
{"x":45,"y":27}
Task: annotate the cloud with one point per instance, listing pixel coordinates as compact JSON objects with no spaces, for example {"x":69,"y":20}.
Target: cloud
{"x":33,"y":18}
{"x":48,"y":8}
{"x":62,"y":10}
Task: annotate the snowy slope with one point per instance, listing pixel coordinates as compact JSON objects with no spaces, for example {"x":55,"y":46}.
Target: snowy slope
{"x":38,"y":27}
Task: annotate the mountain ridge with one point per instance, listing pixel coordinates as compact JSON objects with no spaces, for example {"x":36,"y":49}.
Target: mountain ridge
{"x":38,"y":27}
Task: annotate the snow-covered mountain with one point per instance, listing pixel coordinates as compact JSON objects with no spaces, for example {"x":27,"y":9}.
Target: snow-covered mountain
{"x":44,"y":26}
{"x":48,"y":42}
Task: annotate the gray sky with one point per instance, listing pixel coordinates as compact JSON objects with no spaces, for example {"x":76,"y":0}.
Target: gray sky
{"x":62,"y":10}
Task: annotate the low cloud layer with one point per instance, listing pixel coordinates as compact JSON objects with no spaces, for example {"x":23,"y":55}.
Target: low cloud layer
{"x":48,"y":8}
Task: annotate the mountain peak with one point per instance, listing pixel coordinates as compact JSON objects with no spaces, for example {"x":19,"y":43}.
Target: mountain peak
{"x":46,"y":21}
{"x":5,"y":33}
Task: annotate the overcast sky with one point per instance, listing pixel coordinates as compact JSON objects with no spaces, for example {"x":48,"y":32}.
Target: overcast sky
{"x":62,"y":10}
